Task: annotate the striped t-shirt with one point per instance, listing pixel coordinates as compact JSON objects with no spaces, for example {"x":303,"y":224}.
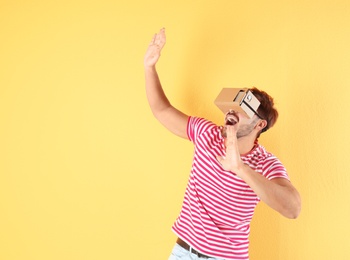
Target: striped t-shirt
{"x":218,"y":206}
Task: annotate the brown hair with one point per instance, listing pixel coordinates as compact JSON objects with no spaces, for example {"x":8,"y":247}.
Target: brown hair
{"x":266,"y":110}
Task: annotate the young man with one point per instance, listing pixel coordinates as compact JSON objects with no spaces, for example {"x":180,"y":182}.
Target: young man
{"x":230,"y":174}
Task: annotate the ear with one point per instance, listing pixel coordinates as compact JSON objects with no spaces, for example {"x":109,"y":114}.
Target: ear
{"x":261,"y":125}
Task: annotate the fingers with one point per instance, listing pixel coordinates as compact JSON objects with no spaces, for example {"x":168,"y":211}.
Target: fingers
{"x":154,"y":48}
{"x":153,"y":39}
{"x":231,"y":136}
{"x":230,"y":131}
{"x":159,"y":39}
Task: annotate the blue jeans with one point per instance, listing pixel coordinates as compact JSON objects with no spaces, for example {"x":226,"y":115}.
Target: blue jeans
{"x":180,"y":253}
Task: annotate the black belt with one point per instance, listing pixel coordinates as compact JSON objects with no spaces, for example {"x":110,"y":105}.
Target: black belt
{"x":186,"y":246}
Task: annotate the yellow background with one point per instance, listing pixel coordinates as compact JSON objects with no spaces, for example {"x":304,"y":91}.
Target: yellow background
{"x":86,"y":172}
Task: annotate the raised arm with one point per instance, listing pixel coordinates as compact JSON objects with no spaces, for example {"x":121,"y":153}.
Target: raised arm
{"x":173,"y":119}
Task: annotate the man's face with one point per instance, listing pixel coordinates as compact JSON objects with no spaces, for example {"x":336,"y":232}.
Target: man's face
{"x":244,"y":123}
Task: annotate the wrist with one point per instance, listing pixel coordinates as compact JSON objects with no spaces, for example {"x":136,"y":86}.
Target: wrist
{"x":240,"y":169}
{"x":150,"y":68}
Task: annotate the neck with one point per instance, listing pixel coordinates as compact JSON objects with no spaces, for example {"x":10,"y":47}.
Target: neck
{"x":245,"y":144}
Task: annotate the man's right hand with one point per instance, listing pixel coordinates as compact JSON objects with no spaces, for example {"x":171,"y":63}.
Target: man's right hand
{"x":154,"y":49}
{"x":174,"y":120}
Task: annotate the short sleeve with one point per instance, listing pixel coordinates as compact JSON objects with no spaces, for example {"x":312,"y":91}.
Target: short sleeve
{"x":196,"y":126}
{"x":273,"y":168}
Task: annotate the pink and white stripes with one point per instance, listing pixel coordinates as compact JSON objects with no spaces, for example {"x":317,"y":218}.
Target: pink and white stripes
{"x":218,"y":206}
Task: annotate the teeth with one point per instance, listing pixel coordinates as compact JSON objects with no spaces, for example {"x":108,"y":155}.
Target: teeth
{"x":231,"y":118}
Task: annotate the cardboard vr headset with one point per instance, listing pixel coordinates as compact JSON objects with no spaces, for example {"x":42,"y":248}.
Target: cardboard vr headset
{"x":239,"y":100}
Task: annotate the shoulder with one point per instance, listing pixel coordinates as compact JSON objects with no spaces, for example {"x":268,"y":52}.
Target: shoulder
{"x":272,"y":167}
{"x":199,"y":121}
{"x":198,"y":126}
{"x":262,"y":159}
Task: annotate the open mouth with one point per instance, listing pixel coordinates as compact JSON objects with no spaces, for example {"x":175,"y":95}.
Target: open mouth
{"x":230,"y":119}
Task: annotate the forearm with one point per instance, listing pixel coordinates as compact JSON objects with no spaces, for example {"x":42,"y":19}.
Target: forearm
{"x":279,"y":194}
{"x":156,"y":97}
